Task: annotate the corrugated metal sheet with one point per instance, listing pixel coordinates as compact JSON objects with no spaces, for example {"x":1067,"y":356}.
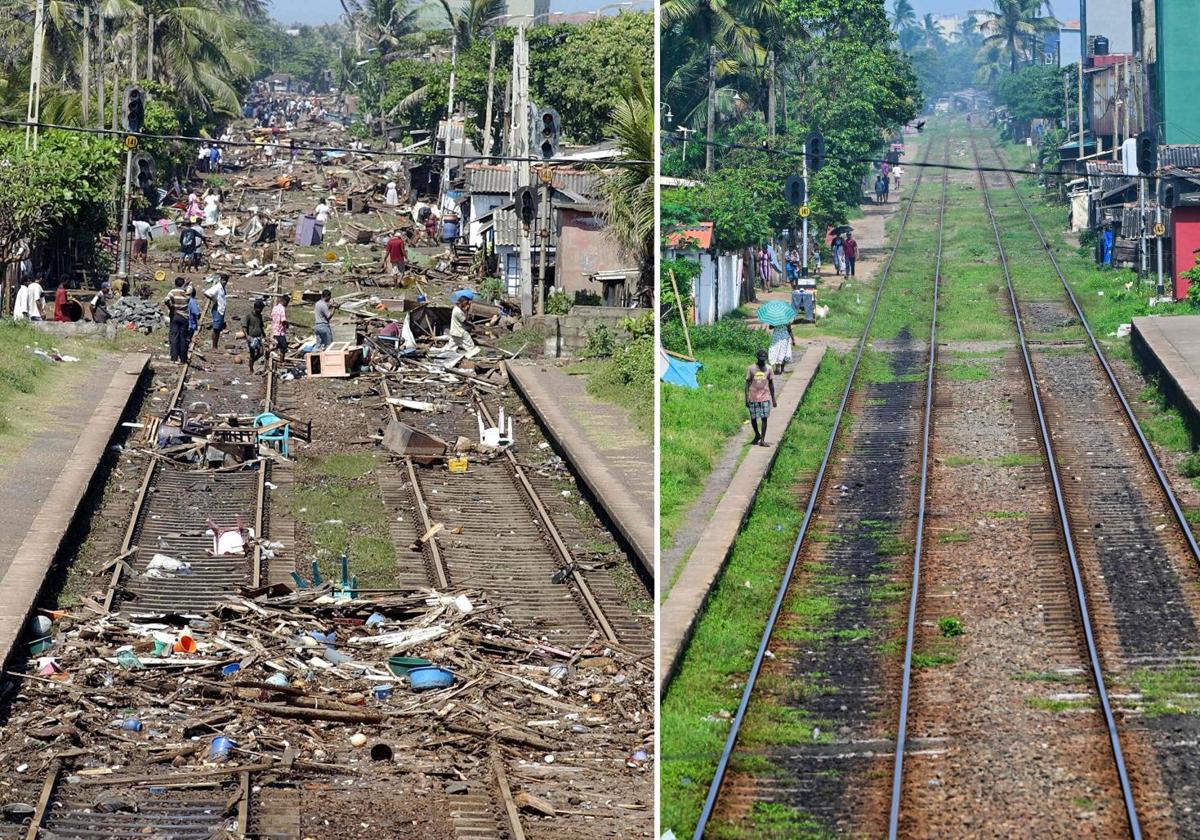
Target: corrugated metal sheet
{"x":492,"y":179}
{"x":1183,"y":156}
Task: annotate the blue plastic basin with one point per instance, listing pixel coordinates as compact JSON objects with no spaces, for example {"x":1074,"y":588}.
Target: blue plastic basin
{"x":424,"y":679}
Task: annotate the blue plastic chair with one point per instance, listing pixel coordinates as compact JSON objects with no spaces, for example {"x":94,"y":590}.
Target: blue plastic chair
{"x":278,"y":438}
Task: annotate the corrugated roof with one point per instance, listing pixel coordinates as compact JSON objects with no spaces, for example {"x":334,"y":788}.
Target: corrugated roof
{"x":1183,"y":156}
{"x":691,"y":236}
{"x":494,"y":179}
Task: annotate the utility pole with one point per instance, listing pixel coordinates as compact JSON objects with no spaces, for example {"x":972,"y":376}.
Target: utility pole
{"x":87,"y":63}
{"x":712,"y":109}
{"x":100,"y":70}
{"x":771,"y":95}
{"x":33,"y":109}
{"x":445,"y":180}
{"x":123,"y":260}
{"x":150,"y":46}
{"x":519,"y":132}
{"x":804,"y":219}
{"x":1080,"y":106}
{"x":491,"y":89}
{"x":133,"y":57}
{"x":1158,"y":199}
{"x":545,"y":173}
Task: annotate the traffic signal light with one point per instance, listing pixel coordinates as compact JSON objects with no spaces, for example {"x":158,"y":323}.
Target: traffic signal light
{"x":525,"y":200}
{"x":816,"y":151}
{"x":135,"y":109}
{"x":547,"y":133}
{"x":1147,"y":153}
{"x":793,"y":190}
{"x":143,"y":174}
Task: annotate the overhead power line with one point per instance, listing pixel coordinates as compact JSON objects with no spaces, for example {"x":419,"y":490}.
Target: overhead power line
{"x":1178,"y":172}
{"x":308,"y":147}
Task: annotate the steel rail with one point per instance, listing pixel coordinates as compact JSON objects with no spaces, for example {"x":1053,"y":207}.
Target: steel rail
{"x":551,"y":530}
{"x":441,"y":577}
{"x":1163,"y":481}
{"x":148,"y":477}
{"x":919,"y":539}
{"x":1060,"y":503}
{"x":818,"y":483}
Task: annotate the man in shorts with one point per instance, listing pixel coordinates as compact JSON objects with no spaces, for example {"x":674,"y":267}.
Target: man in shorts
{"x":395,"y":254}
{"x":760,"y":396}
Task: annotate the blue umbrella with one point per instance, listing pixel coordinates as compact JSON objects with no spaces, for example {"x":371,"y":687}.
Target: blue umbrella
{"x":462,"y":293}
{"x":776,"y":313}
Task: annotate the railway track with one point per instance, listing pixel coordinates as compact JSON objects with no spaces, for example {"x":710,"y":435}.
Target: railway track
{"x":174,"y":504}
{"x":862,"y":511}
{"x":1133,"y":555}
{"x":509,"y":543}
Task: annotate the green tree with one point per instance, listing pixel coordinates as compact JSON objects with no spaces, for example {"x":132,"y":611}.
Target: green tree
{"x":1013,"y":24}
{"x":628,"y":189}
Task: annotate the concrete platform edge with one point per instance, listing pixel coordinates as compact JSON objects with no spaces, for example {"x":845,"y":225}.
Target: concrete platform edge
{"x":589,"y":466}
{"x":684,"y":605}
{"x":22,"y":582}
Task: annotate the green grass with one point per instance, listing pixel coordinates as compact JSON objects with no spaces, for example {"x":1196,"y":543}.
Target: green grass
{"x":607,"y":381}
{"x":1172,"y":691}
{"x":695,"y":426}
{"x":1051,"y":704}
{"x":336,"y":501}
{"x":726,"y":635}
{"x":968,"y":372}
{"x":27,"y":381}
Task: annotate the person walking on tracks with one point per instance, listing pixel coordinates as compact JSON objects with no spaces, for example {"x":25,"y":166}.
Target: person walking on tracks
{"x":323,"y":319}
{"x":255,"y":333}
{"x":760,"y":396}
{"x":220,"y":300}
{"x":850,"y":249}
{"x":279,"y":327}
{"x":176,"y":302}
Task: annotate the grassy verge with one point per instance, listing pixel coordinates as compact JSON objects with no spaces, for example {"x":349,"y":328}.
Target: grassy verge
{"x":336,"y":502}
{"x":695,"y":426}
{"x":625,"y":379}
{"x":694,"y":719}
{"x":28,"y":381}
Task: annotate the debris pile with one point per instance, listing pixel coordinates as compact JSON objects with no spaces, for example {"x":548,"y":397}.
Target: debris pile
{"x":143,"y":314}
{"x":317,"y":680}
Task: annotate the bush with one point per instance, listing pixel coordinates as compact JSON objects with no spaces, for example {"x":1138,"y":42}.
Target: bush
{"x":558,"y":303}
{"x":599,"y":343}
{"x":1193,"y":277}
{"x":631,"y":366}
{"x":730,"y":335}
{"x":492,"y":288}
{"x":1190,"y":466}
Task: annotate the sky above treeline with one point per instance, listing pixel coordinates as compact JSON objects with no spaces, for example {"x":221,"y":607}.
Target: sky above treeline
{"x":328,"y":11}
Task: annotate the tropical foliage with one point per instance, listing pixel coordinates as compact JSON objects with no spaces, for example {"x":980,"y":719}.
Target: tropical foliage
{"x":580,"y":70}
{"x":629,"y":188}
{"x":838,"y":70}
{"x":1014,"y":26}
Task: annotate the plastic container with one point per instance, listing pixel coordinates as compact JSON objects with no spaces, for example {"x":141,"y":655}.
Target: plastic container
{"x":185,"y":643}
{"x":219,"y":751}
{"x":131,"y":725}
{"x":457,"y":465}
{"x":231,"y":669}
{"x":128,"y":660}
{"x":382,"y":691}
{"x":449,"y":227}
{"x":278,"y":680}
{"x":401,"y":665}
{"x":429,"y":678}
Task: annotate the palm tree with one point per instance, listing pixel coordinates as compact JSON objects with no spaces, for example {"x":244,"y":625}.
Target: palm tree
{"x":628,"y":189}
{"x":474,"y":20}
{"x":1012,"y":24}
{"x":381,"y":24}
{"x":931,"y":33}
{"x":903,"y":16}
